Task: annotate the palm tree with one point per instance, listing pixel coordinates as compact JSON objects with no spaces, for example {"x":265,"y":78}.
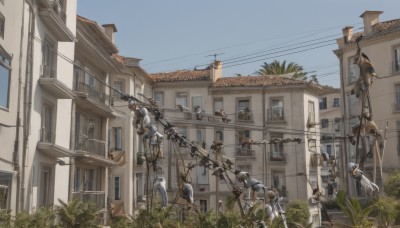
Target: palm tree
{"x":278,"y":68}
{"x":353,"y":209}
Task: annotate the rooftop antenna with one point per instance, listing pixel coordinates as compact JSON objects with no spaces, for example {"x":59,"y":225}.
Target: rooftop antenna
{"x":215,"y":55}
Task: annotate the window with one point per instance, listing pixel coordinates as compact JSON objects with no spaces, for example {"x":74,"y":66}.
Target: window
{"x":315,"y":219}
{"x":354,"y":70}
{"x":5,"y":190}
{"x":243,"y":109}
{"x":337,"y":124}
{"x":336,"y":102}
{"x":2,"y":25}
{"x":397,"y":98}
{"x":329,"y":149}
{"x":276,"y":109}
{"x":203,"y":206}
{"x":118,"y":86}
{"x":324,"y":123}
{"x":278,"y":179}
{"x":354,"y":106}
{"x":322,"y":103}
{"x":117,"y":138}
{"x":89,"y":180}
{"x":117,"y":188}
{"x":5,"y":72}
{"x":159,"y":97}
{"x":139,"y":186}
{"x":138,"y":89}
{"x":311,"y":111}
{"x":77,"y":179}
{"x":46,"y":179}
{"x":276,"y":149}
{"x":181,"y":99}
{"x":396,"y":63}
{"x":183,"y":131}
{"x":200,"y":137}
{"x":197,"y":101}
{"x":219,"y":135}
{"x":47,"y":123}
{"x":48,"y":66}
{"x":218,"y":104}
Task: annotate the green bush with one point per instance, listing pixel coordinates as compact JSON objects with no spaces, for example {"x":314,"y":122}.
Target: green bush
{"x":297,"y":212}
{"x":77,"y":214}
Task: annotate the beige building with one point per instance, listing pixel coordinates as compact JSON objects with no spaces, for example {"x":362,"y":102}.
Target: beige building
{"x":381,"y":43}
{"x":331,"y":131}
{"x":259,"y":107}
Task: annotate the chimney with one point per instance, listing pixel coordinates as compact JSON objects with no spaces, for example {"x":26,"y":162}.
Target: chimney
{"x":347,"y":33}
{"x":109,"y":30}
{"x":216,"y":70}
{"x":370,"y":18}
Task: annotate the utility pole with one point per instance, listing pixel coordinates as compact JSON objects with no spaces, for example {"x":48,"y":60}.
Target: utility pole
{"x":215,"y":55}
{"x":217,"y":147}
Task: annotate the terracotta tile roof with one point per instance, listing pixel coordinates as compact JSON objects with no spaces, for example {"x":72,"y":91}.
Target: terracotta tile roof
{"x":379,"y":29}
{"x":119,"y":58}
{"x":182,"y":75}
{"x":257,"y":81}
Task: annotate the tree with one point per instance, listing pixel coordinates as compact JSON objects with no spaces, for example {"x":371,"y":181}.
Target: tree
{"x":392,"y":185}
{"x":277,"y":68}
{"x":385,"y":210}
{"x":297,"y":213}
{"x":352,"y":208}
{"x":77,"y":214}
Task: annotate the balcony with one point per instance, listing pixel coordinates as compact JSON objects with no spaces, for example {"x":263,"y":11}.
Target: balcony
{"x":276,"y":115}
{"x":48,"y":81}
{"x":244,"y":115}
{"x":277,"y":157}
{"x":46,"y":144}
{"x":244,"y":153}
{"x":95,"y":197}
{"x":93,"y":146}
{"x":92,"y":98}
{"x":54,"y":17}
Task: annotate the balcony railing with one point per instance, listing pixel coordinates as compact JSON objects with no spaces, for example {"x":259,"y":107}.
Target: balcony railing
{"x":93,"y":146}
{"x":275,"y":114}
{"x":244,"y":152}
{"x":58,"y":9}
{"x":244,"y":115}
{"x":47,"y":71}
{"x":95,"y":197}
{"x":46,"y":135}
{"x":277,"y":156}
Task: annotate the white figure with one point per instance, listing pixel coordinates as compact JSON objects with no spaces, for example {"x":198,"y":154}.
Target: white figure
{"x":368,"y":186}
{"x":159,"y":185}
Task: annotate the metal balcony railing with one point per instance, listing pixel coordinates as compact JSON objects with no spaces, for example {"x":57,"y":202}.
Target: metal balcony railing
{"x":275,"y":114}
{"x":95,"y":197}
{"x":47,"y":71}
{"x":244,"y":115}
{"x":46,"y":135}
{"x":93,"y":146}
{"x":277,"y":156}
{"x":244,"y":152}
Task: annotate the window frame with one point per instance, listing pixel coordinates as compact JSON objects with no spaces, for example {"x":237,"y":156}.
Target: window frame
{"x":162,"y":96}
{"x":353,"y":71}
{"x":115,"y":135}
{"x":311,"y":115}
{"x":117,"y":188}
{"x":334,"y":103}
{"x":324,"y":123}
{"x":396,"y":59}
{"x":182,"y":95}
{"x":6,"y":61}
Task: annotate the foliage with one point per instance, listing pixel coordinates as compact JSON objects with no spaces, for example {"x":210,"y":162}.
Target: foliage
{"x":297,"y":212}
{"x":139,"y":158}
{"x":122,"y":222}
{"x":352,"y":208}
{"x":278,"y":68}
{"x":392,"y":185}
{"x":208,"y":219}
{"x":77,"y":214}
{"x":385,"y":210}
{"x":5,"y":218}
{"x":155,"y":217}
{"x":230,"y":202}
{"x":229,"y":219}
{"x":397,"y":216}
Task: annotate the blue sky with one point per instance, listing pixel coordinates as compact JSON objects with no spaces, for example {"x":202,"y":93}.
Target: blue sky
{"x":172,"y":35}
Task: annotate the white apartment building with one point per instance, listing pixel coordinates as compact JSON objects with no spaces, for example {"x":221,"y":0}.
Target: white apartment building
{"x":260,"y":107}
{"x":381,"y":43}
{"x":330,"y":122}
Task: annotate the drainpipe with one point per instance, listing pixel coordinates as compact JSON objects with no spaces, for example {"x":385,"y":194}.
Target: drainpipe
{"x":18,"y":119}
{"x":27,"y":98}
{"x":72,"y":148}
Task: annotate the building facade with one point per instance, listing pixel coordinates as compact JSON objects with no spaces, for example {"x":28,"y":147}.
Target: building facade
{"x":380,"y":43}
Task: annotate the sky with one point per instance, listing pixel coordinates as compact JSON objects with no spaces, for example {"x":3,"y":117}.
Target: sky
{"x":171,"y":35}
